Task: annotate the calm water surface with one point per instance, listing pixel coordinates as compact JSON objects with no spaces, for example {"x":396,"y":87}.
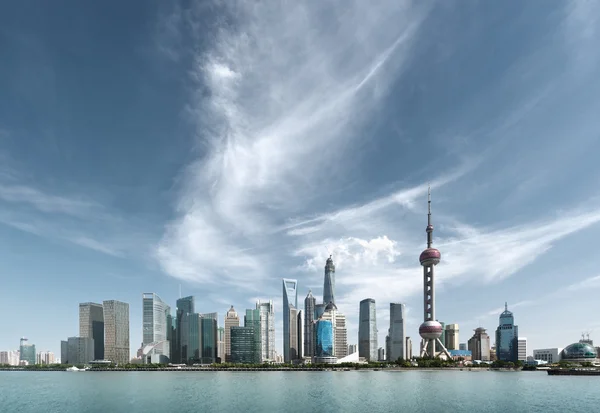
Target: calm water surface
{"x":366,"y":391}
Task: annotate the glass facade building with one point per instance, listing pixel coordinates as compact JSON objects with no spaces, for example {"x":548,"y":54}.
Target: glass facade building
{"x":267,"y":330}
{"x":329,"y":282}
{"x":397,"y":332}
{"x":116,"y":331}
{"x":231,"y":320}
{"x":209,"y":335}
{"x":91,"y":325}
{"x":309,"y":319}
{"x":185,"y":307}
{"x":244,"y":348}
{"x":507,"y":334}
{"x":155,"y":326}
{"x":324,"y":338}
{"x":27,"y":352}
{"x":290,"y":333}
{"x":367,"y":331}
{"x":80,"y":350}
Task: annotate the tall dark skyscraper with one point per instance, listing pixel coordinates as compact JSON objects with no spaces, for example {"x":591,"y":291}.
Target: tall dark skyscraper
{"x":185,"y":307}
{"x":431,"y":330}
{"x":290,"y":315}
{"x":329,"y":282}
{"x":507,"y":335}
{"x":91,"y":325}
{"x":367,"y":330}
{"x":309,"y":317}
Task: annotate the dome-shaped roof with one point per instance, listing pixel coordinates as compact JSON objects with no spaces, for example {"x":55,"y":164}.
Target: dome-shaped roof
{"x":331,"y":306}
{"x":430,"y":255}
{"x":579,"y":351}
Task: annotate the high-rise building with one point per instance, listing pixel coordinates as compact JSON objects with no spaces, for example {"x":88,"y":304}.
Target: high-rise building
{"x":185,"y":307}
{"x":388,"y":347}
{"x":352,"y":348}
{"x":451,"y":339}
{"x":155,"y":328}
{"x":64,"y":351}
{"x":208,"y":337}
{"x":324,"y":340}
{"x":244,"y":348}
{"x":462,"y":346}
{"x":430,"y":330}
{"x":192,"y":350}
{"x":507,"y":335}
{"x":26,"y":352}
{"x":309,"y":319}
{"x":80,"y":350}
{"x":221,"y":345}
{"x":479,"y":345}
{"x":91,"y":325}
{"x":367,"y":331}
{"x":44,"y":357}
{"x":329,"y":282}
{"x":252,"y":319}
{"x":319,"y":310}
{"x":381,"y":354}
{"x":295,"y":335}
{"x":290,"y":333}
{"x":231,"y":320}
{"x":397,"y":332}
{"x":3,"y":357}
{"x":116,"y":331}
{"x":267,"y":330}
{"x":340,"y":333}
{"x":408,"y":348}
{"x":522,"y":349}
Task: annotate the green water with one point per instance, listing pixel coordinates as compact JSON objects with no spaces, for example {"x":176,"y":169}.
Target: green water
{"x":354,"y":391}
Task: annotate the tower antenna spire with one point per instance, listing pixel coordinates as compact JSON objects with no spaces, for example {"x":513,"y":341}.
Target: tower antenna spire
{"x":506,"y":306}
{"x":429,"y":229}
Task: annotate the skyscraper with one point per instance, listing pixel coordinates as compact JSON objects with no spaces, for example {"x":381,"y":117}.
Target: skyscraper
{"x":244,"y":348}
{"x":522,"y":349}
{"x":290,"y":333}
{"x":26,"y":352}
{"x":431,"y":330}
{"x":221,"y":345}
{"x":340,"y":333}
{"x":64,"y":351}
{"x":309,"y":318}
{"x":116,"y":331}
{"x":231,"y":320}
{"x":91,"y":325}
{"x":80,"y":350}
{"x":185,"y":307}
{"x":329,"y":282}
{"x":208,"y":337}
{"x":367,"y":330}
{"x":479,"y":345}
{"x":408,"y":348}
{"x":267,"y":330}
{"x":253,"y":319}
{"x":397,"y":332}
{"x":452,"y":342}
{"x":155,"y":328}
{"x":295,"y":335}
{"x":507,"y":335}
{"x":324,"y":340}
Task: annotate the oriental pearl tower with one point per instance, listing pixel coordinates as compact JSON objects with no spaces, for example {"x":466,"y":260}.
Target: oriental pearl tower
{"x":430,"y":331}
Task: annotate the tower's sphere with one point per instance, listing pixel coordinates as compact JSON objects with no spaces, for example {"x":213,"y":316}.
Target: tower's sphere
{"x":430,"y":330}
{"x":430,"y":256}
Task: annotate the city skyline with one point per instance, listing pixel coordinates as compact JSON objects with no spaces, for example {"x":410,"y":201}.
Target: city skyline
{"x":219,"y":159}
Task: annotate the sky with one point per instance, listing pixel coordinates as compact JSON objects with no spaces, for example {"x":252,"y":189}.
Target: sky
{"x":217,"y":147}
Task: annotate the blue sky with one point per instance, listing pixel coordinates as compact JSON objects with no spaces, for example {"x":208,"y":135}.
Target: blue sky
{"x":226,"y":145}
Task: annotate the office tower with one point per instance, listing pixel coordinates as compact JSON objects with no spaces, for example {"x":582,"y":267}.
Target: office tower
{"x":220,"y":345}
{"x":209,"y":337}
{"x":329,"y":282}
{"x":155,"y":328}
{"x":479,"y":345}
{"x":116,"y":331}
{"x":26,"y":352}
{"x":91,"y":325}
{"x":192,"y":339}
{"x":244,"y":348}
{"x":290,"y":333}
{"x":507,"y":335}
{"x":367,"y":330}
{"x":294,"y":338}
{"x":185,"y":307}
{"x":462,"y":346}
{"x":522,"y":349}
{"x":252,"y":319}
{"x":231,"y":320}
{"x":381,"y":354}
{"x":408,"y":348}
{"x":267,"y":330}
{"x":3,"y":357}
{"x":80,"y":350}
{"x":309,"y":318}
{"x":397,"y":332}
{"x":340,"y":333}
{"x":430,"y":330}
{"x":319,"y":310}
{"x":388,"y":347}
{"x":352,"y":348}
{"x":171,"y":336}
{"x":324,"y":340}
{"x":452,"y":337}
{"x":64,"y":351}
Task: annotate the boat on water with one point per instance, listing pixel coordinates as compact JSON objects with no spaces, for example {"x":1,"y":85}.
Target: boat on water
{"x":73,"y":368}
{"x":574,"y":372}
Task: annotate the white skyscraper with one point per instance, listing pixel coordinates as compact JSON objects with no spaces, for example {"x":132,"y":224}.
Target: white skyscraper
{"x":155,"y":334}
{"x":267,"y":330}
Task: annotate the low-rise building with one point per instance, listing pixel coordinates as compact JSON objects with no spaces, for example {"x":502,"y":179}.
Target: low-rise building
{"x":550,"y":355}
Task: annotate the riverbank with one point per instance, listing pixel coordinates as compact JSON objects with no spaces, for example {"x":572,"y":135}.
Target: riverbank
{"x":213,"y":369}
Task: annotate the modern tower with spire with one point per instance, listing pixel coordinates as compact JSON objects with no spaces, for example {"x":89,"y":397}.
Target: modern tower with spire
{"x":431,"y":330}
{"x":329,"y":282}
